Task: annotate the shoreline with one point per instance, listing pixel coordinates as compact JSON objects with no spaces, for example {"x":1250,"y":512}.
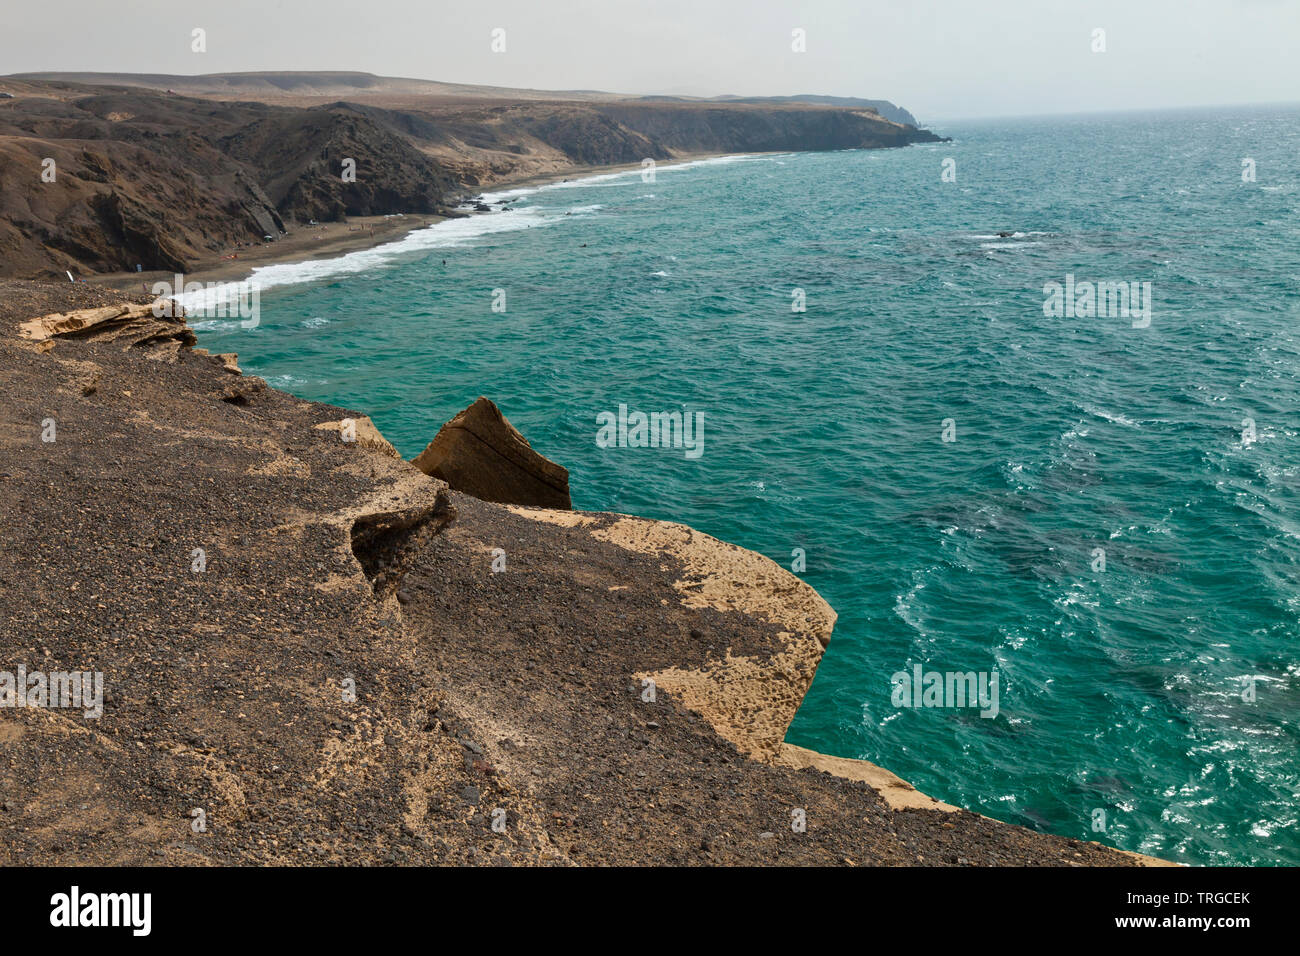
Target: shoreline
{"x":324,"y":241}
{"x":333,"y":240}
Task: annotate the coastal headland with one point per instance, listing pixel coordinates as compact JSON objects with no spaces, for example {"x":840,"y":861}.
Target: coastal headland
{"x":134,"y":176}
{"x":314,"y":653}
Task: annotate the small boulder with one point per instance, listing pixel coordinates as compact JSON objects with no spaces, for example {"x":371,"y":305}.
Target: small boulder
{"x":480,"y":453}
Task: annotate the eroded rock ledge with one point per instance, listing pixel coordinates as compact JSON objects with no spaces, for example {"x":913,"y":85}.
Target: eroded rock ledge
{"x":480,"y":453}
{"x":333,"y":567}
{"x":749,"y":699}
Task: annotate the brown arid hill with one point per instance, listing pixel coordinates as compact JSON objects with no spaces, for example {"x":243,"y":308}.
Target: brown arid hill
{"x":146,"y":176}
{"x":142,"y":177}
{"x":328,"y":565}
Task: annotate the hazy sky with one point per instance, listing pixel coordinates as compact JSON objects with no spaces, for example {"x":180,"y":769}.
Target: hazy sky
{"x":938,"y":58}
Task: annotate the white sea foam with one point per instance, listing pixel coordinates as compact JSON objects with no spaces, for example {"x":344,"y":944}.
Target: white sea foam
{"x":447,"y":234}
{"x":1115,"y":417}
{"x":607,"y":179}
{"x":210,"y":325}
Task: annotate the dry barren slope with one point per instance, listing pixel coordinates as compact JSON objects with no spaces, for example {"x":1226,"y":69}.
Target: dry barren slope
{"x":147,"y":177}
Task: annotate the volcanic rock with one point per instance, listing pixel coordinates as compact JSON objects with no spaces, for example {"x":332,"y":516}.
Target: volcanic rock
{"x":480,"y":453}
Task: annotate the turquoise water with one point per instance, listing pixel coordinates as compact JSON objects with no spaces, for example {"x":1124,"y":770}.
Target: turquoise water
{"x":1120,"y":690}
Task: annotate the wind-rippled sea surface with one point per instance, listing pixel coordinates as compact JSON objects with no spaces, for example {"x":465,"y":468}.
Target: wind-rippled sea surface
{"x":1121,"y":690}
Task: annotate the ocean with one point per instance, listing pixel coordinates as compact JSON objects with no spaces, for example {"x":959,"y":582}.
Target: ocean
{"x":1097,"y":508}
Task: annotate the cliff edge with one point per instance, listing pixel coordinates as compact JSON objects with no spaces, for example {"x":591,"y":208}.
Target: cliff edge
{"x":311,"y":652}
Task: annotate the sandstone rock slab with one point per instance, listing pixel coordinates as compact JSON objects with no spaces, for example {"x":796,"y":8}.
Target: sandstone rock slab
{"x":481,"y":454}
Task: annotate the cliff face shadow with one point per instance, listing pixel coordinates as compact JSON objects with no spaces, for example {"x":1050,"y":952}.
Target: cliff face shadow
{"x":385,"y":544}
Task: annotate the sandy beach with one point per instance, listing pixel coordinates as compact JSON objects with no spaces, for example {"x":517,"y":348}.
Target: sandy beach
{"x":333,"y":239}
{"x":323,"y":241}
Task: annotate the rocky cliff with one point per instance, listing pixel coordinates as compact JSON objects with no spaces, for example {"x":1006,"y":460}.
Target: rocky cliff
{"x":895,"y":114}
{"x":311,"y":653}
{"x":98,"y":178}
{"x":156,"y":180}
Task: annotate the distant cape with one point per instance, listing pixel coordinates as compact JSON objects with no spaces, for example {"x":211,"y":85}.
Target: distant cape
{"x":895,"y":114}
